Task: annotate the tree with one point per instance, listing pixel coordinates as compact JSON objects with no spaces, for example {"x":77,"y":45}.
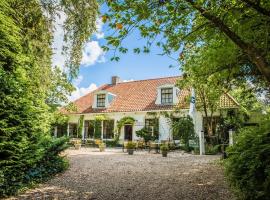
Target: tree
{"x":190,"y":27}
{"x":208,"y":94}
{"x":184,"y":129}
{"x":31,"y":89}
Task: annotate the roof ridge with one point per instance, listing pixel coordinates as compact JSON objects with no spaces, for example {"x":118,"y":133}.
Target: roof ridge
{"x":150,"y":79}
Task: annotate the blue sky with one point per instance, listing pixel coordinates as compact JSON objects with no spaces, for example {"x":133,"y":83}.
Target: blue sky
{"x":97,"y":69}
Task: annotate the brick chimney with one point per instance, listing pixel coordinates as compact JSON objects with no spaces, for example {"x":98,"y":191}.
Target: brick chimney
{"x":115,"y":80}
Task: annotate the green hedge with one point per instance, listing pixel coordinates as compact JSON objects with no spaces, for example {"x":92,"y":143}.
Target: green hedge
{"x":30,"y":165}
{"x":248,"y":165}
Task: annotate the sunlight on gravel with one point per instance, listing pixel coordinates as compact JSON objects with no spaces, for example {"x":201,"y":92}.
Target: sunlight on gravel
{"x":116,"y":175}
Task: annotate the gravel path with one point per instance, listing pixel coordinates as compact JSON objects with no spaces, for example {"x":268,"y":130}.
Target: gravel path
{"x":116,"y":175}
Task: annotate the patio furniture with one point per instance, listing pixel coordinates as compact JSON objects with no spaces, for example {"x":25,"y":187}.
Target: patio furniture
{"x":154,"y":145}
{"x":140,"y":144}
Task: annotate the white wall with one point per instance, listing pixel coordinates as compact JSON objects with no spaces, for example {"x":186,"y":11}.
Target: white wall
{"x":164,"y":125}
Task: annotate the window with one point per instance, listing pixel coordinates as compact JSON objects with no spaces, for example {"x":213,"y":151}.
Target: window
{"x":108,"y":129}
{"x":101,"y":100}
{"x":61,"y":130}
{"x":73,"y":130}
{"x":89,"y":129}
{"x":166,"y":95}
{"x":152,"y":126}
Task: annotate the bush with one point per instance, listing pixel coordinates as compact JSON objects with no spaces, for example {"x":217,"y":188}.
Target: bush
{"x":212,"y":149}
{"x":28,"y":166}
{"x":131,"y":145}
{"x":183,"y":128}
{"x":145,"y":134}
{"x":112,"y":143}
{"x":248,"y":164}
{"x":164,"y":147}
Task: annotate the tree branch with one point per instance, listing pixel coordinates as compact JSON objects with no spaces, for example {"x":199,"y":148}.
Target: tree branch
{"x":253,"y":53}
{"x":257,"y":7}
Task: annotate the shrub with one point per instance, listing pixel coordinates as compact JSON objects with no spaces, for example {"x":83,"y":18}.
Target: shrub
{"x":212,"y":149}
{"x":28,"y":166}
{"x":112,"y":143}
{"x":248,"y":164}
{"x":145,"y":134}
{"x":183,"y":128}
{"x":164,"y":147}
{"x":131,"y":145}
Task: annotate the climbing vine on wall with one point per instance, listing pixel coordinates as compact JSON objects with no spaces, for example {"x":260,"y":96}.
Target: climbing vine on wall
{"x":80,"y":126}
{"x":97,"y":125}
{"x":121,"y":123}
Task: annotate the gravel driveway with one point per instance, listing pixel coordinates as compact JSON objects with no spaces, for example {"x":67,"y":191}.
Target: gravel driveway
{"x":116,"y":175}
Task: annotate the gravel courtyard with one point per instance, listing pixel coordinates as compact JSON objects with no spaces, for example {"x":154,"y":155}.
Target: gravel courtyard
{"x":116,"y":175}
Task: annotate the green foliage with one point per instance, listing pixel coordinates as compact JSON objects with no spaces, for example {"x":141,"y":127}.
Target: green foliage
{"x":97,"y":133}
{"x":79,"y":25}
{"x":164,"y":147}
{"x":212,"y":149}
{"x":146,"y":134}
{"x":131,"y":145}
{"x":121,"y":123}
{"x":80,"y":126}
{"x":184,"y":129}
{"x":31,"y":89}
{"x":248,"y":165}
{"x":30,"y":164}
{"x":214,"y":38}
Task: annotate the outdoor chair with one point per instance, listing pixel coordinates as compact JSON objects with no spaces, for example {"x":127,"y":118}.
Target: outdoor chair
{"x":141,"y":145}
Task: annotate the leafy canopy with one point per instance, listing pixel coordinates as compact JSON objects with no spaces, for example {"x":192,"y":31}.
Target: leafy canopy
{"x":225,"y":37}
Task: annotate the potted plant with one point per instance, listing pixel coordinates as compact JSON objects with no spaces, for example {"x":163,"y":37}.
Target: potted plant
{"x":130,"y":147}
{"x":77,"y":144}
{"x":101,"y":146}
{"x":164,"y":149}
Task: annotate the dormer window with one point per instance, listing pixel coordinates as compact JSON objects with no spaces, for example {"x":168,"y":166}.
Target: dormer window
{"x":166,"y":95}
{"x":101,"y":100}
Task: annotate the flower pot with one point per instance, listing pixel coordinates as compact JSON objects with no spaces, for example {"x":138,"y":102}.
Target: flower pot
{"x":101,"y":149}
{"x":130,"y":151}
{"x":164,"y":153}
{"x":77,"y":146}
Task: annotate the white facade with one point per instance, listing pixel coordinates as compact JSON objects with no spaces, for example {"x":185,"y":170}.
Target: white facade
{"x":165,"y":132}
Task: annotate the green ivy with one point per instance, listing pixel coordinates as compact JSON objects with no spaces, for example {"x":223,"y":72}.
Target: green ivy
{"x":121,"y":123}
{"x":80,"y":126}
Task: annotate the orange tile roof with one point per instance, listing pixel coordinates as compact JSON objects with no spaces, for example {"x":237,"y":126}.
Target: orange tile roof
{"x":131,"y":96}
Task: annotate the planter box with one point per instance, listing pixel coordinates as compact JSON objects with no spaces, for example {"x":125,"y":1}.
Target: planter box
{"x":130,"y":151}
{"x":164,"y":153}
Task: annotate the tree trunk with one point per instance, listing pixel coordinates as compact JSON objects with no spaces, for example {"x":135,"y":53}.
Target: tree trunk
{"x":253,"y":53}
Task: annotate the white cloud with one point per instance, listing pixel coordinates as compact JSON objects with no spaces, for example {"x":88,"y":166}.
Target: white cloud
{"x":99,"y":34}
{"x":77,"y":81}
{"x":81,"y":91}
{"x":92,"y":54}
{"x":58,"y":59}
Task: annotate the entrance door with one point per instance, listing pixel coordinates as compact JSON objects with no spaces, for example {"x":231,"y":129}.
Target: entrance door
{"x":128,"y":132}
